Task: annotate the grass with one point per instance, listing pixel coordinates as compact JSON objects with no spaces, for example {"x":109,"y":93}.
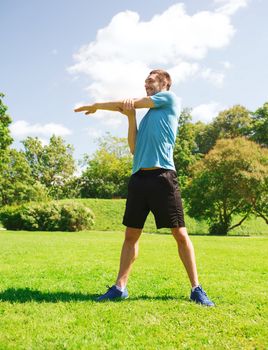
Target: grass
{"x":49,"y":281}
{"x":109,"y":215}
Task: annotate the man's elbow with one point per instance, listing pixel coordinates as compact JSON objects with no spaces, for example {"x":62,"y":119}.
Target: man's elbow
{"x":132,"y":150}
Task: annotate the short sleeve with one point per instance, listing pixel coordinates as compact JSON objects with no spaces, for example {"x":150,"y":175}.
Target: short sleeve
{"x":162,"y":99}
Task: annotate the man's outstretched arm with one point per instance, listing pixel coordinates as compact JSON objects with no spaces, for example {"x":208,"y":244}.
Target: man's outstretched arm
{"x":107,"y":106}
{"x":117,"y":106}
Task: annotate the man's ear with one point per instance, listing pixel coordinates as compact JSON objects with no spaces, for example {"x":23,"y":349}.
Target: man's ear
{"x":164,"y":84}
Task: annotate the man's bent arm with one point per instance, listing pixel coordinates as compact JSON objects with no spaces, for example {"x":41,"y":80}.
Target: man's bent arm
{"x":132,"y":130}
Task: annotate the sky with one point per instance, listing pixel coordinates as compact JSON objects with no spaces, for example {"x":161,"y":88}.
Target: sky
{"x":56,"y":55}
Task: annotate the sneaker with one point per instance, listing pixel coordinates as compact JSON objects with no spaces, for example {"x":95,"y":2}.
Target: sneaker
{"x":200,"y":297}
{"x":113,"y":294}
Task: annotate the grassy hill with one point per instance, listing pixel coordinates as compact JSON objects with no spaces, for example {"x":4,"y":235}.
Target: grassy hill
{"x":109,"y":214}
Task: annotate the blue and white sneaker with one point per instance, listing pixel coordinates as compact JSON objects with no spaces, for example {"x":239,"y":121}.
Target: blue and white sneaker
{"x":199,"y":296}
{"x":113,"y":293}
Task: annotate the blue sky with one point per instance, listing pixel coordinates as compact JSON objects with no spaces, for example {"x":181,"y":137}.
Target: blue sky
{"x":58,"y":54}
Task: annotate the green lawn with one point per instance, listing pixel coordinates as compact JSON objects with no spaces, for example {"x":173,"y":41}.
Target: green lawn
{"x":48,"y":283}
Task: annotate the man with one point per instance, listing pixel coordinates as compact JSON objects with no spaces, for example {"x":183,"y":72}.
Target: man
{"x":153,"y":185}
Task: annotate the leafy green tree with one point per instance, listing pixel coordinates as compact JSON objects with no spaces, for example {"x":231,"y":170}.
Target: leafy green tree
{"x":33,"y":150}
{"x":260,"y":125}
{"x":230,"y":123}
{"x":226,"y":182}
{"x":5,"y":120}
{"x":53,"y":165}
{"x":5,"y":138}
{"x":186,"y":151}
{"x":17,"y":184}
{"x":233,"y":122}
{"x":107,"y":171}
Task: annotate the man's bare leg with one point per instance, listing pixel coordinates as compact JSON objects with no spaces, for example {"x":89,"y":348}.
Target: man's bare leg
{"x":128,"y":255}
{"x":186,"y":253}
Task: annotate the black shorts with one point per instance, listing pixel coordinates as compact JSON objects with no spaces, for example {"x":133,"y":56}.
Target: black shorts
{"x":157,"y":191}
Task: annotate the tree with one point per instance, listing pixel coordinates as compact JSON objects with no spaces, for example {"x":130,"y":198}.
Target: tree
{"x":226,"y":182}
{"x":108,"y":170}
{"x":260,"y":125}
{"x":53,"y":165}
{"x":5,"y":120}
{"x":5,"y":137}
{"x":17,"y":184}
{"x":230,"y":123}
{"x":33,"y":150}
{"x":186,"y":151}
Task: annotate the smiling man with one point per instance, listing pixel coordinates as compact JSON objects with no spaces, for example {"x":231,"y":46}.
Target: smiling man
{"x":153,"y":184}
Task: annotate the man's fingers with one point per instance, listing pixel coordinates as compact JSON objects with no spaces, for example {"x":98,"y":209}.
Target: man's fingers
{"x":80,"y":109}
{"x":128,"y":104}
{"x":90,"y":111}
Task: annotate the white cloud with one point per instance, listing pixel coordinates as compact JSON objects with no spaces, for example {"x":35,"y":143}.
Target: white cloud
{"x":227,"y":64}
{"x":206,"y":112}
{"x":119,"y":59}
{"x":21,"y":129}
{"x":182,"y":71}
{"x":216,"y":78}
{"x":230,"y":7}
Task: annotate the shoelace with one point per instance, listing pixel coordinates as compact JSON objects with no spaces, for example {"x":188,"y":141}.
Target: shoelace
{"x":202,"y":291}
{"x":203,"y":294}
{"x":109,"y":288}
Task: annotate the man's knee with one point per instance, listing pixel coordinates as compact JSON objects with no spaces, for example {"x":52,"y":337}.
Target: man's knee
{"x":132,"y":235}
{"x":180,"y":234}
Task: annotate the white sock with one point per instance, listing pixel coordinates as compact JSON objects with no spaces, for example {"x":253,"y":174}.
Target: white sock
{"x":195,"y":287}
{"x":120,"y":288}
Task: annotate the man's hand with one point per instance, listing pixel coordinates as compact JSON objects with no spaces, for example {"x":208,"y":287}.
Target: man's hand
{"x":128,"y":104}
{"x":128,"y":107}
{"x":87,"y":109}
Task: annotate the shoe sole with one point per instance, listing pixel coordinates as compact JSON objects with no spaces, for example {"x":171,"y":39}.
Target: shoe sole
{"x":198,"y":303}
{"x":114,"y":299}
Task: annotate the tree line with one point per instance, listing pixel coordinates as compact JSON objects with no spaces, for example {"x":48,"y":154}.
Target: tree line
{"x":222,"y":167}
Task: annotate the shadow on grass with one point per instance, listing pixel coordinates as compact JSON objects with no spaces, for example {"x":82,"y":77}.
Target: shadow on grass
{"x":159,"y":297}
{"x":26,"y":295}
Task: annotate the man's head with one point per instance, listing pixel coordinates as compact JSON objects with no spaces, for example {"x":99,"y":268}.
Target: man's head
{"x":158,"y":80}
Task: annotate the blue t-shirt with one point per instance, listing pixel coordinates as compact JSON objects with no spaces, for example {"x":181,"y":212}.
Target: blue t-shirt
{"x":157,"y":133}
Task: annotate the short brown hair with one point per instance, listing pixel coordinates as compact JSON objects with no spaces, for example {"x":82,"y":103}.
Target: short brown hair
{"x":162,"y":75}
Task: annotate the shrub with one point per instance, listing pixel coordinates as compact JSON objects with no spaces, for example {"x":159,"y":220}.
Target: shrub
{"x":10,"y":217}
{"x":48,"y":216}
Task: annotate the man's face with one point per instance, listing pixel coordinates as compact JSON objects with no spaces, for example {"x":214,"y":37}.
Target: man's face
{"x":153,"y":85}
